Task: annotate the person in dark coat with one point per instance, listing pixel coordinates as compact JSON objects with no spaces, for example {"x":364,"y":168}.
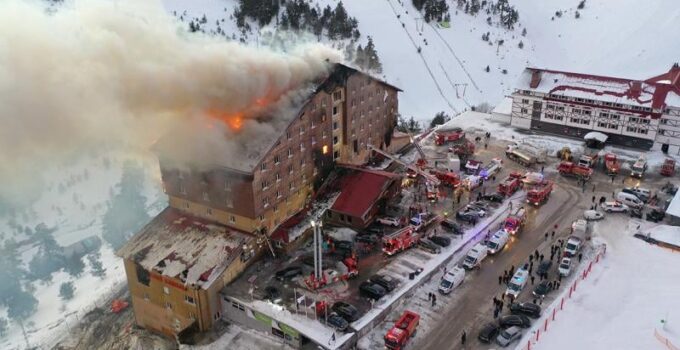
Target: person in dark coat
{"x":580,"y":256}
{"x":463,"y":338}
{"x":532,"y":280}
{"x":500,"y":280}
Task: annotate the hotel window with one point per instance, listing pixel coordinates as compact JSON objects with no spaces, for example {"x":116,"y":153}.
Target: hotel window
{"x":290,"y":169}
{"x":585,"y":121}
{"x":323,"y":134}
{"x":229,"y":202}
{"x":525,"y":101}
{"x":587,"y":112}
{"x":524,"y":110}
{"x":288,"y":135}
{"x":613,"y":126}
{"x":313,"y":124}
{"x":232,"y":219}
{"x":277,"y":159}
{"x":278,"y":194}
{"x":166,"y":290}
{"x":276,"y":208}
{"x":313,"y":140}
{"x":263,"y":166}
{"x":168,"y":305}
{"x":189,"y":299}
{"x":302,"y":129}
{"x":265,"y":202}
{"x":182,"y":189}
{"x":335,"y":139}
{"x":602,"y":124}
{"x":227,"y":185}
{"x":290,"y":152}
{"x":278,"y":177}
{"x":337,"y":96}
{"x":291,"y":185}
{"x":206,"y":197}
{"x":335,"y":125}
{"x":302,"y":146}
{"x":302,"y":162}
{"x":261,"y":217}
{"x":180,"y":175}
{"x":549,"y":106}
{"x":209,"y":211}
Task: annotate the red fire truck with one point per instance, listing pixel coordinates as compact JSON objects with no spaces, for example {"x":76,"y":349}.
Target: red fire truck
{"x":511,"y":184}
{"x":447,"y":178}
{"x":451,"y":135}
{"x":668,"y":167}
{"x":397,"y":337}
{"x":611,"y":164}
{"x":513,"y":224}
{"x":400,"y":240}
{"x":540,"y":192}
{"x":575,"y":170}
{"x":464,"y":150}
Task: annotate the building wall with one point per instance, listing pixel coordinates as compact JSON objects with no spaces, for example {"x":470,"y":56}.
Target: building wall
{"x":629,"y":126}
{"x":167,"y":306}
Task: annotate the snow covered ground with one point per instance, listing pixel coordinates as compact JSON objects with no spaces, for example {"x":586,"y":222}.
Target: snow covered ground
{"x":625,"y":297}
{"x":74,"y":201}
{"x":666,"y":233}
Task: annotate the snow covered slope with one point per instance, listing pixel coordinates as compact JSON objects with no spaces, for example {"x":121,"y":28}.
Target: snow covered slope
{"x":625,"y":38}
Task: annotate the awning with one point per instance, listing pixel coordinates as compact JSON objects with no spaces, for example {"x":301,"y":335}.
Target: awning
{"x":595,"y":135}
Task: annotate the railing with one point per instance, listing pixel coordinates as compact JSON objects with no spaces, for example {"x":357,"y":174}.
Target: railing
{"x":665,"y":341}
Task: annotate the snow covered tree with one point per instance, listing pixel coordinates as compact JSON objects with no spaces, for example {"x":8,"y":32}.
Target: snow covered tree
{"x":487,"y":69}
{"x":66,"y":290}
{"x":582,"y":4}
{"x":524,"y":32}
{"x":373,"y":61}
{"x":98,"y":269}
{"x":413,"y":125}
{"x":521,"y":44}
{"x":127,"y":211}
{"x":49,"y":257}
{"x":577,"y":15}
{"x":360,"y":58}
{"x":439,"y":119}
{"x":18,"y":301}
{"x":74,"y":265}
{"x":3,"y":327}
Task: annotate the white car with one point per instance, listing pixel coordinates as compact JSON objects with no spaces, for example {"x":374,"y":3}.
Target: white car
{"x":532,"y":178}
{"x":387,"y":220}
{"x":614,"y":207}
{"x":565,"y":267}
{"x":593,"y":215}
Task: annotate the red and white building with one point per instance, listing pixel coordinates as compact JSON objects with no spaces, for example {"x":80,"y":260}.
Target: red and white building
{"x":642,"y":114}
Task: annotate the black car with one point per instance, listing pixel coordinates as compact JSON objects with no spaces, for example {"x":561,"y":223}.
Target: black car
{"x":544,"y":267}
{"x":272,"y":294}
{"x":347,"y":311}
{"x":452,"y":226}
{"x":288,"y":273}
{"x":337,"y":322}
{"x":344,"y":245}
{"x":488,"y":332}
{"x":635,"y":213}
{"x":372,"y":290}
{"x":655,"y":215}
{"x":542,"y":289}
{"x":479,"y":205}
{"x":514,"y":320}
{"x":429,"y":246}
{"x":527,"y":309}
{"x":387,"y":282}
{"x":367,"y":238}
{"x":494,"y":197}
{"x":467,"y":217}
{"x":441,"y":241}
{"x":378,"y":230}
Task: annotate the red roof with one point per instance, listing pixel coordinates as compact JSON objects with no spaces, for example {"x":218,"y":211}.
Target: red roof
{"x":360,"y":190}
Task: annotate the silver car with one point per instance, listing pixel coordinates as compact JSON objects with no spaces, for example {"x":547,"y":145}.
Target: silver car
{"x":509,"y":335}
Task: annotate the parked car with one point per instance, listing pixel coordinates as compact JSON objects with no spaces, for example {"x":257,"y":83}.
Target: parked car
{"x":467,"y":217}
{"x":387,"y":282}
{"x":480,"y":212}
{"x":544,"y":267}
{"x":655,"y":215}
{"x":542,"y":289}
{"x":288,"y":273}
{"x":507,"y":336}
{"x":429,"y":246}
{"x":372,"y":290}
{"x":388,"y":220}
{"x":593,"y":215}
{"x":494,"y":197}
{"x":337,"y":322}
{"x":514,"y":320}
{"x":479,"y":205}
{"x":614,"y":207}
{"x":642,"y":193}
{"x":376,"y":230}
{"x":346,"y":311}
{"x":272,"y":294}
{"x":528,"y":309}
{"x":635,"y":213}
{"x":565,"y":267}
{"x":452,"y":226}
{"x":441,"y":240}
{"x":488,"y":332}
{"x":366,"y":237}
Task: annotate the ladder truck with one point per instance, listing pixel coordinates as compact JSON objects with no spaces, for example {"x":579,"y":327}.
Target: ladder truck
{"x":540,"y":193}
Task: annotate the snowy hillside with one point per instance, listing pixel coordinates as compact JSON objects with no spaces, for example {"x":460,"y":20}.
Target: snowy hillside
{"x":633,"y":39}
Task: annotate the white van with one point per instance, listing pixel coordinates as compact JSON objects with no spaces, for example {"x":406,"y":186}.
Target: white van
{"x":517,"y":283}
{"x":475,"y":256}
{"x":497,"y":241}
{"x":630,"y":200}
{"x":451,"y":280}
{"x":574,"y":245}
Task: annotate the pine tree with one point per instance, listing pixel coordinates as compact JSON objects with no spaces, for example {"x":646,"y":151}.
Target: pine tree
{"x":360,"y":59}
{"x":439,"y":119}
{"x":127,"y":211}
{"x":487,"y":69}
{"x":3,"y":327}
{"x":97,"y":268}
{"x":373,"y":61}
{"x":524,"y":32}
{"x":520,"y":45}
{"x":582,"y":4}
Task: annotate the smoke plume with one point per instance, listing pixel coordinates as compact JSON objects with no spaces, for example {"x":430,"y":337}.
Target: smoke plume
{"x":101,"y":72}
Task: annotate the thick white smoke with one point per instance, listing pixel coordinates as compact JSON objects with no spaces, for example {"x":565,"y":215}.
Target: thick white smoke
{"x":98,"y":72}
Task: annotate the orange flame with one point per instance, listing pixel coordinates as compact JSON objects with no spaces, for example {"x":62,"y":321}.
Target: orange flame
{"x":234,"y":121}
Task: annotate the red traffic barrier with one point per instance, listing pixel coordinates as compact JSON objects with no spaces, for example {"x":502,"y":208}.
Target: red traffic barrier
{"x":553,"y":315}
{"x":562,"y":302}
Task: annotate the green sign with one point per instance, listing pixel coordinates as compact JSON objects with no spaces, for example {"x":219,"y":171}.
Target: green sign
{"x":262,"y":318}
{"x":289,"y":330}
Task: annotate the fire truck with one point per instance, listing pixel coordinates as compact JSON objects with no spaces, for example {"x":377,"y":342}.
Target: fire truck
{"x":450,"y":135}
{"x":464,"y":150}
{"x":343,"y":271}
{"x":447,"y":178}
{"x":668,"y":167}
{"x":513,"y":224}
{"x":639,"y":167}
{"x":511,"y":184}
{"x":397,"y":337}
{"x":472,"y":167}
{"x":588,"y":160}
{"x":491,"y":169}
{"x":399,"y":240}
{"x":540,"y":192}
{"x":575,"y":170}
{"x":611,"y":164}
